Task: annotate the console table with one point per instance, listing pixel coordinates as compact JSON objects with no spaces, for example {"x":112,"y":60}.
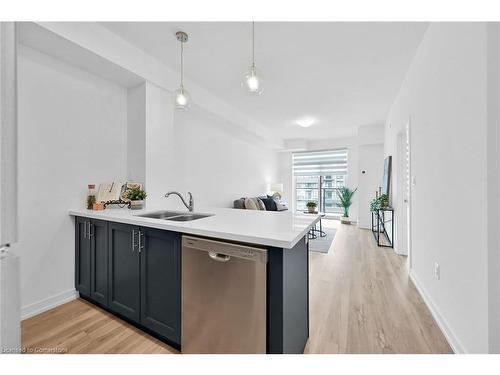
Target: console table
{"x":381,"y":219}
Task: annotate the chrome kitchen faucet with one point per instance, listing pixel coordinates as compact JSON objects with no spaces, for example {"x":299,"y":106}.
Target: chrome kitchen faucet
{"x":189,"y":206}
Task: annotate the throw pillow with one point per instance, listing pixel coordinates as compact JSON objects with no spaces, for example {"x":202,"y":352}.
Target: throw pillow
{"x":269,"y":203}
{"x":250,"y":204}
{"x":280,"y":205}
{"x":260,"y":204}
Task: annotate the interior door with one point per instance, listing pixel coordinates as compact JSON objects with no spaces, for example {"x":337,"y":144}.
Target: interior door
{"x":124,"y":268}
{"x":82,"y":256}
{"x":161,"y":282}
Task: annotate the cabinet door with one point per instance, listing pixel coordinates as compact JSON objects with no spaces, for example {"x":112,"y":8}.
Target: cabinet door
{"x":161,"y":282}
{"x":82,"y":256}
{"x":99,"y":261}
{"x":123,"y":272}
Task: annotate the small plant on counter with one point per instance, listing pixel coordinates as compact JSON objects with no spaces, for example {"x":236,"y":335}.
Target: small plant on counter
{"x":381,"y":201}
{"x":311,"y":206}
{"x":345,"y":196}
{"x":136,"y":196}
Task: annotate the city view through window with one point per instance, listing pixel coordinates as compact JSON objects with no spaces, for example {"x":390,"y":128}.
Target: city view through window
{"x":319,"y":189}
{"x":318,"y":175}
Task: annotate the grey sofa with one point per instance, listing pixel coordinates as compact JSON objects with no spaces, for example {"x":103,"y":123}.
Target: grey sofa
{"x":270,"y":203}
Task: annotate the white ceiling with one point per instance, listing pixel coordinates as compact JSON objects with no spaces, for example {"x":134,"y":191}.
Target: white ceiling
{"x":341,"y":74}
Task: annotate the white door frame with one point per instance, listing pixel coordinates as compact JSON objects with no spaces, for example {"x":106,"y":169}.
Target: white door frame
{"x":403,"y":161}
{"x":410,"y":193}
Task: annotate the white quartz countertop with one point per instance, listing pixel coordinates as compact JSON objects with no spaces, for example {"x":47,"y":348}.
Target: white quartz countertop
{"x":270,"y":228}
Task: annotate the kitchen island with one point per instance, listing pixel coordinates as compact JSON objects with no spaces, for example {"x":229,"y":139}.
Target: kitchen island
{"x":133,"y":266}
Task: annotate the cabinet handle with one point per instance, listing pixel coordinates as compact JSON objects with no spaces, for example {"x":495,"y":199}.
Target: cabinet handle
{"x":85,"y":229}
{"x":90,"y":231}
{"x":133,"y":240}
{"x":141,"y":246}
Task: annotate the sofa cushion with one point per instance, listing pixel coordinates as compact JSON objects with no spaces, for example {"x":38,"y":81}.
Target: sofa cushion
{"x":260,"y":204}
{"x":281,"y":206}
{"x":269,"y":203}
{"x":239,"y":203}
{"x":251,"y":204}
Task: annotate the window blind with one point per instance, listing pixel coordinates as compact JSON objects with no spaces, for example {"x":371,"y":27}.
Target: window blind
{"x":320,"y":163}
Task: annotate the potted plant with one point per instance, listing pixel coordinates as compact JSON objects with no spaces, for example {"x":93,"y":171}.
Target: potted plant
{"x":311,"y":207}
{"x":136,"y":196}
{"x":382,"y":201}
{"x":345,"y":195}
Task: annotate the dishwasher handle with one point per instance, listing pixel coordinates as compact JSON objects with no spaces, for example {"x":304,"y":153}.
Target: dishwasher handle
{"x":221,"y":251}
{"x":219,"y":257}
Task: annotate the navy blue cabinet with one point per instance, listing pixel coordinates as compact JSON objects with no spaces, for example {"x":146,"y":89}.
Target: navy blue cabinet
{"x":82,"y":256}
{"x":133,"y":271}
{"x":161,"y":282}
{"x":98,"y":234}
{"x":124,"y":268}
{"x":91,"y":259}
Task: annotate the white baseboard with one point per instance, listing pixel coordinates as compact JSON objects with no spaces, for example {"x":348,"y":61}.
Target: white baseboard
{"x":402,"y":253}
{"x":48,"y":303}
{"x":452,"y":339}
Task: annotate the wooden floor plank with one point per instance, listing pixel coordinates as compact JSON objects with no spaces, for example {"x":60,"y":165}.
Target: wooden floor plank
{"x":361,"y":301}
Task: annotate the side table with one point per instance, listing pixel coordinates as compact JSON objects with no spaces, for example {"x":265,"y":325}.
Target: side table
{"x":315,"y":232}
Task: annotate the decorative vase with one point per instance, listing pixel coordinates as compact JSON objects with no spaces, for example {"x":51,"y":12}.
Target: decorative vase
{"x":136,"y":205}
{"x":311,"y":210}
{"x":345,"y":220}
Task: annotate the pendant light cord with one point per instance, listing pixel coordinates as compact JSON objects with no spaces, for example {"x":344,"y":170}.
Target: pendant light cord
{"x":253,"y":43}
{"x":182,"y":64}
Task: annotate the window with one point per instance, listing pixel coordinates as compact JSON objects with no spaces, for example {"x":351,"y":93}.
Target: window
{"x":318,"y":175}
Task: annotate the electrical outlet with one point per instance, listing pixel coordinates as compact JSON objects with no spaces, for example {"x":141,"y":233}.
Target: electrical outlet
{"x":437,"y":271}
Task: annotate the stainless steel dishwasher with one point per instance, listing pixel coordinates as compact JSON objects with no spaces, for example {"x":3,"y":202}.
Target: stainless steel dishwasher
{"x":223,"y":297}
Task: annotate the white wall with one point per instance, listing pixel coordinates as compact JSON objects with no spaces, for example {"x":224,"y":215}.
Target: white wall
{"x":218,"y":162}
{"x":161,"y":158}
{"x":493,"y":135}
{"x":8,"y":133}
{"x":194,"y":151}
{"x":136,"y":133}
{"x":72,"y":131}
{"x":444,"y":92}
{"x":371,"y":162}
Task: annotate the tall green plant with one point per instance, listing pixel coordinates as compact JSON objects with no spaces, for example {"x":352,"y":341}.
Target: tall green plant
{"x":345,"y":195}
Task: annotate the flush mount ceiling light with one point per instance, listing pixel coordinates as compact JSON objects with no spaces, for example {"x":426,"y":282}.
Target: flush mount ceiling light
{"x":252,"y":82}
{"x":182,"y":99}
{"x":306,"y":122}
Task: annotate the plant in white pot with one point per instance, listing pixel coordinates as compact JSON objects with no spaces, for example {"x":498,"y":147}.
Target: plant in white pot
{"x":345,"y":196}
{"x":382,"y":201}
{"x":136,"y":196}
{"x":311,"y":207}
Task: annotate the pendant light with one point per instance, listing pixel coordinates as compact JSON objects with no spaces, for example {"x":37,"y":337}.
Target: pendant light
{"x":182,"y":98}
{"x":252,"y":82}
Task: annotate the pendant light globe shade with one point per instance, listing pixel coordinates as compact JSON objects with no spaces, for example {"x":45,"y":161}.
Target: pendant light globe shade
{"x":182,"y":99}
{"x":253,"y":82}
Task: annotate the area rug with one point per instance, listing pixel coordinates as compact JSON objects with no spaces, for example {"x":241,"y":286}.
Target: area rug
{"x":323,"y":244}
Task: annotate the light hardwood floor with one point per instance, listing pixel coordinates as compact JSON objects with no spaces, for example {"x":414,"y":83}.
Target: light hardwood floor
{"x":361,"y":301}
{"x":80,"y":327}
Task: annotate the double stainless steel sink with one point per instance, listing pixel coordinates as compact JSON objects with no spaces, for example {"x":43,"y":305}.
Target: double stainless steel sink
{"x":175,"y":215}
